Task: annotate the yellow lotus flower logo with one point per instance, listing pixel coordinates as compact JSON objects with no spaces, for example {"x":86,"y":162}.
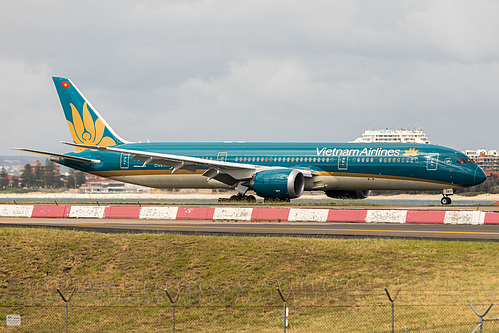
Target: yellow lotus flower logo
{"x":86,"y":131}
{"x":411,"y":152}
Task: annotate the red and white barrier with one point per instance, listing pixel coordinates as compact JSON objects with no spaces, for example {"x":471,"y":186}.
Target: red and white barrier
{"x":464,"y":217}
{"x":425,"y":216}
{"x":51,"y":211}
{"x":16,"y":210}
{"x":232,"y":214}
{"x":253,"y":214}
{"x":89,"y":212}
{"x":386,"y":216}
{"x":158,"y":213}
{"x":308,"y":215}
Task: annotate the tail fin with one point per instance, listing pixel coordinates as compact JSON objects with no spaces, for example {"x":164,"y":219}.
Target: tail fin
{"x":85,"y":124}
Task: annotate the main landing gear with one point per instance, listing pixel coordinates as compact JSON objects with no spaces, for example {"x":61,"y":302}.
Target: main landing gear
{"x":446,"y":200}
{"x":242,"y":188}
{"x":276,"y":200}
{"x":239,"y":198}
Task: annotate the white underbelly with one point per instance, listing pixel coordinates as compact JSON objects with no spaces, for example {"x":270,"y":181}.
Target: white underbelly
{"x":172,"y":181}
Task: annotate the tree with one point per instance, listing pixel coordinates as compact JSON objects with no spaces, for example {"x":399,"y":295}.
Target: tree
{"x":4,"y":178}
{"x":52,"y":179}
{"x":75,"y":179}
{"x":81,"y":178}
{"x":28,"y":178}
{"x":39,"y":175}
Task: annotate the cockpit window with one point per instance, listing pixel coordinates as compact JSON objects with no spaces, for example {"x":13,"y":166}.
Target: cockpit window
{"x":465,"y":160}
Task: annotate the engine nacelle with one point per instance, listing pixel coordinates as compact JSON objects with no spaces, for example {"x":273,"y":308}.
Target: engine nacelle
{"x":279,"y":183}
{"x":348,"y":194}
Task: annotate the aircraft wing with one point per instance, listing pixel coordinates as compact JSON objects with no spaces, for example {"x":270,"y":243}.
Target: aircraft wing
{"x":67,"y":157}
{"x":218,"y":170}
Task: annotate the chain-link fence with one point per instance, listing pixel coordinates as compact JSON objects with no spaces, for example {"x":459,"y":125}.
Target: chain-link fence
{"x":246,"y":306}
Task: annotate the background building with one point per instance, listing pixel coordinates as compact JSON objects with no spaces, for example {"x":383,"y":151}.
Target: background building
{"x":488,"y":160}
{"x":394,"y":135}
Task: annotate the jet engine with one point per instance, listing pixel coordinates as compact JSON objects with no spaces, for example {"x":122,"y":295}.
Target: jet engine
{"x":348,"y":194}
{"x":279,"y":183}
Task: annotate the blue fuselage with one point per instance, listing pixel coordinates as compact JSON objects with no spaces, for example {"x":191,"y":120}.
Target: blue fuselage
{"x":335,"y":166}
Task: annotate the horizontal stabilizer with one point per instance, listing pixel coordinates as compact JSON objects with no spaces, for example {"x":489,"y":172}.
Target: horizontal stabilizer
{"x":67,"y":157}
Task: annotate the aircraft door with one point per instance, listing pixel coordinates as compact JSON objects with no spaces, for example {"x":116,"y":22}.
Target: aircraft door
{"x":124,"y":161}
{"x":222,"y":156}
{"x":343,"y":162}
{"x":432,"y":162}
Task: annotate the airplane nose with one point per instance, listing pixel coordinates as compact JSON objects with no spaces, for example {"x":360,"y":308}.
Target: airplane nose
{"x":480,"y":176}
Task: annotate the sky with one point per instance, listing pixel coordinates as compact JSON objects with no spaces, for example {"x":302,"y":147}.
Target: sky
{"x":251,"y":70}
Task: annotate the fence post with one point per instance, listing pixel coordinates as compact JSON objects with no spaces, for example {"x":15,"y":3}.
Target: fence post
{"x":67,"y":307}
{"x":393,"y":306}
{"x":285,"y":320}
{"x":481,"y":317}
{"x":173,"y":301}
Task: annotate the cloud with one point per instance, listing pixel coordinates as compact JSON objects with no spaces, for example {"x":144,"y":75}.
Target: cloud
{"x":25,"y":110}
{"x":254,"y":70}
{"x":454,"y":30}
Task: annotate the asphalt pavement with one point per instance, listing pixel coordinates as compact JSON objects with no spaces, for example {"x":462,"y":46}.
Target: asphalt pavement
{"x":296,"y":229}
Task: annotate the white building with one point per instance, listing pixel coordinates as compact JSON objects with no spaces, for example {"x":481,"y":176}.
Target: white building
{"x":394,"y":135}
{"x":487,"y":159}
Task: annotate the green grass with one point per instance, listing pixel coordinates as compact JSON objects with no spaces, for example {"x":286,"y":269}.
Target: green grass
{"x":45,"y":255}
{"x":141,"y":318}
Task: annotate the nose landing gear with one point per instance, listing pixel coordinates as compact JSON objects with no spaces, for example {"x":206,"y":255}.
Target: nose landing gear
{"x":446,"y":200}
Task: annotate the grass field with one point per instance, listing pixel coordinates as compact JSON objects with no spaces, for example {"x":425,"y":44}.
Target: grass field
{"x":38,"y":255}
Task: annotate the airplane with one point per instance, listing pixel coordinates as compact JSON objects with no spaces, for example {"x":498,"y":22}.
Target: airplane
{"x":272,"y":170}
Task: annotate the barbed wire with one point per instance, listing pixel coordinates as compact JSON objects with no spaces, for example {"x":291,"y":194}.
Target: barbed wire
{"x":303,"y":291}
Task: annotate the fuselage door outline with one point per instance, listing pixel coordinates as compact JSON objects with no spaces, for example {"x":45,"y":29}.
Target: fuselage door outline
{"x":124,"y":161}
{"x":432,"y":161}
{"x":343,"y":162}
{"x":222,"y":156}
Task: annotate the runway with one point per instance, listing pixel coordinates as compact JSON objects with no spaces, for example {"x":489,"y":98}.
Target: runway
{"x":297,"y":229}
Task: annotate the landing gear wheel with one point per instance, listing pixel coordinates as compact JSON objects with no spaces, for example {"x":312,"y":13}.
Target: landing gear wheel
{"x":242,"y":198}
{"x":276,"y":200}
{"x":446,"y":201}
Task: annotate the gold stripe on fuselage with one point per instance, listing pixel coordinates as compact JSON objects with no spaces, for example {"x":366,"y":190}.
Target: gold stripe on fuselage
{"x":136,"y":174}
{"x":367,"y":175}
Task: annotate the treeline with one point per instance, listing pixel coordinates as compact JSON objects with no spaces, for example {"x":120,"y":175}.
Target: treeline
{"x":42,"y":176}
